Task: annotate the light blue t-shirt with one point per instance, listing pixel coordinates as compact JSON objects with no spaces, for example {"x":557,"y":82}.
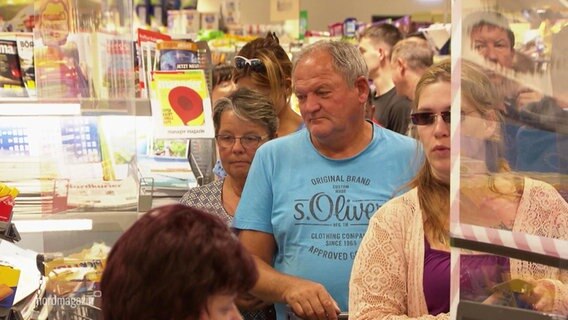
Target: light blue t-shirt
{"x":318,"y":208}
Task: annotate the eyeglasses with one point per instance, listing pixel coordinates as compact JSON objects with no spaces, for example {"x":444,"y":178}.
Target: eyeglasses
{"x":428,"y":118}
{"x":255,"y":64}
{"x":248,"y":141}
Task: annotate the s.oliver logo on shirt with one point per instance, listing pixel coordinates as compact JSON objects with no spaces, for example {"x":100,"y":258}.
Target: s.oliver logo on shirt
{"x":323,"y":207}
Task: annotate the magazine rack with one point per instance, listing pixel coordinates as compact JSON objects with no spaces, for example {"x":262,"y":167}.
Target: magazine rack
{"x":145,"y":194}
{"x":9,"y":232}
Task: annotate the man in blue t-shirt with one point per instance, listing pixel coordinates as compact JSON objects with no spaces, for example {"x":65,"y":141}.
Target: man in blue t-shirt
{"x":309,"y":196}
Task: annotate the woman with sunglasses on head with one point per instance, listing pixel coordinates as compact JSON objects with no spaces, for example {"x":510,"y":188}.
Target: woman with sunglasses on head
{"x":262,"y":64}
{"x":243,"y":122}
{"x":402,"y":268}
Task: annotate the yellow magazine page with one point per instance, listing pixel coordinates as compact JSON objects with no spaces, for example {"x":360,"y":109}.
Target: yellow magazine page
{"x":181,"y":105}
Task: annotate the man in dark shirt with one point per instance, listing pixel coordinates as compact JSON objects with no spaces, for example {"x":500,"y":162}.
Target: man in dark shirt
{"x":375,"y":44}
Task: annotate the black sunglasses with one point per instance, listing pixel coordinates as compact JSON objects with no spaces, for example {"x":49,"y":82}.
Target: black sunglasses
{"x":254,"y":64}
{"x":428,"y":118}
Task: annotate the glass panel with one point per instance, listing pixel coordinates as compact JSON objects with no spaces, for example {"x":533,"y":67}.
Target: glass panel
{"x":510,"y":210}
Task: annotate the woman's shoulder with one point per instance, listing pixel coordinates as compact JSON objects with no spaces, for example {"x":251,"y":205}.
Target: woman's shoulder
{"x":539,"y":188}
{"x":543,"y":194}
{"x":399,"y":208}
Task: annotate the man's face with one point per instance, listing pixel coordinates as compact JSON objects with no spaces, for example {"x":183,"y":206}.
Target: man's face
{"x":372,"y":55}
{"x":329,"y":107}
{"x":493,"y":44}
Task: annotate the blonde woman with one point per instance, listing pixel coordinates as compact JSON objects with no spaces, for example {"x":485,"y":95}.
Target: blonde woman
{"x":402,"y":268}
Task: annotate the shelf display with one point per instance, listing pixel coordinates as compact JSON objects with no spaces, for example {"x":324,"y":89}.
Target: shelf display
{"x":60,"y":145}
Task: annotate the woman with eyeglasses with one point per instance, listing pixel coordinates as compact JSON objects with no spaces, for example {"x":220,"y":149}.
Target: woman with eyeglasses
{"x":243,"y":121}
{"x":263,"y":65}
{"x":402,"y":268}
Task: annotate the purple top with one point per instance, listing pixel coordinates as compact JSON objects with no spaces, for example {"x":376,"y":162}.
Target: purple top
{"x":479,"y":273}
{"x":436,"y":280}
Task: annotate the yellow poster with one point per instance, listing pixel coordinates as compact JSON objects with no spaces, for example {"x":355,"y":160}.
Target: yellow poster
{"x":181,"y":105}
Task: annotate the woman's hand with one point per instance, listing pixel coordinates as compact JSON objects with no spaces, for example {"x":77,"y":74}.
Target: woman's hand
{"x":541,"y":297}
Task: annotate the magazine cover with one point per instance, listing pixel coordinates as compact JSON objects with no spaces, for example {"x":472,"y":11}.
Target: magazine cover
{"x":147,"y":52}
{"x":11,"y":83}
{"x":113,"y":66}
{"x":25,"y":43}
{"x":178,"y":55}
{"x":181,"y":105}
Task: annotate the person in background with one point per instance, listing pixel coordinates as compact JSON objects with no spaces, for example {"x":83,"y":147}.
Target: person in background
{"x":309,"y":195}
{"x":243,"y":122}
{"x":490,"y":36}
{"x":409,"y":237}
{"x":223,"y":84}
{"x":262,"y":64}
{"x":534,"y":123}
{"x":375,"y":44}
{"x":409,"y":60}
{"x":176,"y":263}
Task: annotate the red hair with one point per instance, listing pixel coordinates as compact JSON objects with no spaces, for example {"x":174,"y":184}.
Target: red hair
{"x":170,"y":262}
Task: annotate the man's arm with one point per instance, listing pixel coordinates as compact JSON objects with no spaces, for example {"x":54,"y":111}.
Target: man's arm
{"x":308,"y":300}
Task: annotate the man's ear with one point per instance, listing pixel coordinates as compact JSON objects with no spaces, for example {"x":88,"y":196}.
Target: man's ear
{"x":383,"y":54}
{"x":288,"y":87}
{"x":288,"y":83}
{"x":399,"y":66}
{"x":362,"y":86}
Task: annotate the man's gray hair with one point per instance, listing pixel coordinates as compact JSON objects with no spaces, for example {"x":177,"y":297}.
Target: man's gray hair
{"x":345,"y":57}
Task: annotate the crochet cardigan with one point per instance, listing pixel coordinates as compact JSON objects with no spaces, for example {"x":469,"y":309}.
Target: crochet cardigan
{"x":386,"y":280}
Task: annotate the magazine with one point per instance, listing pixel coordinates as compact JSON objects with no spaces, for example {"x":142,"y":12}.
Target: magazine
{"x":11,"y":83}
{"x":147,"y":52}
{"x":181,"y":105}
{"x":26,"y":54}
